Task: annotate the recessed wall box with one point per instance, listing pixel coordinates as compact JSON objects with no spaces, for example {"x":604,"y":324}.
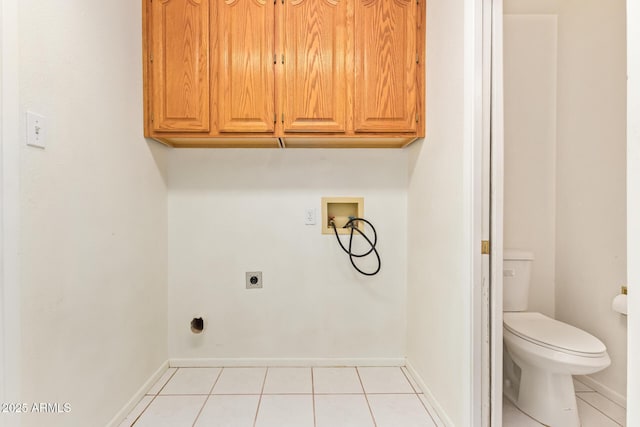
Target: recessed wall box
{"x":340,"y":209}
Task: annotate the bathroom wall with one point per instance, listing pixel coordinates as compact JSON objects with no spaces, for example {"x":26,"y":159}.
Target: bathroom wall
{"x":591,"y":175}
{"x":439,"y":276}
{"x":234,"y":211}
{"x":590,"y":195}
{"x":530,"y":54}
{"x":633,"y":206}
{"x":93,"y":214}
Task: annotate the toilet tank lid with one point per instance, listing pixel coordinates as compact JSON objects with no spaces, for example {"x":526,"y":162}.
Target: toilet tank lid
{"x":517,"y":255}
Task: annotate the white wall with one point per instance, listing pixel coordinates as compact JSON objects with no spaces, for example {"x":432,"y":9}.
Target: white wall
{"x":93,"y":213}
{"x":233,"y":211}
{"x":633,"y":207}
{"x":591,"y":157}
{"x":530,"y":72}
{"x":438,"y":343}
{"x":9,"y":209}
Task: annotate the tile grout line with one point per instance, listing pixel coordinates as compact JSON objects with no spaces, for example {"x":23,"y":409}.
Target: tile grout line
{"x":598,"y":409}
{"x":145,"y":408}
{"x":167,"y":382}
{"x":264,"y":382}
{"x":366,"y":398}
{"x":154,"y":395}
{"x":409,"y":381}
{"x":207,"y":398}
{"x":406,"y":375}
{"x":525,"y":414}
{"x":604,"y":397}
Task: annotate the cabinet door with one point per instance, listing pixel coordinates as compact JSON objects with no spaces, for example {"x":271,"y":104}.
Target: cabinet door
{"x":245,"y":65}
{"x":180,"y":63}
{"x":385,"y":79}
{"x":314,"y":68}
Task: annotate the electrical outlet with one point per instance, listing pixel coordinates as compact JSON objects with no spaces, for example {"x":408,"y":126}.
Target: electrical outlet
{"x":36,"y":130}
{"x":310,"y":216}
{"x":254,"y":279}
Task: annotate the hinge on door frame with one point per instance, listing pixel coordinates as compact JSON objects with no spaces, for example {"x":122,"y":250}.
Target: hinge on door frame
{"x":486,"y":247}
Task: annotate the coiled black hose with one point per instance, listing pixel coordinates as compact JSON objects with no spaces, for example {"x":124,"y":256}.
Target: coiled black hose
{"x":351,"y":224}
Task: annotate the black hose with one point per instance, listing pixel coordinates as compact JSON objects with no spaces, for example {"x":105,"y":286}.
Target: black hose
{"x":350,"y":224}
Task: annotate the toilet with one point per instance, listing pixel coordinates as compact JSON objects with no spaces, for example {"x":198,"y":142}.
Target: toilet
{"x":541,"y":354}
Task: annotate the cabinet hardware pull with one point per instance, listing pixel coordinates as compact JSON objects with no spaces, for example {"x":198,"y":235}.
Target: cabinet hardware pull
{"x":275,"y":58}
{"x":282,"y":117}
{"x":283,"y":59}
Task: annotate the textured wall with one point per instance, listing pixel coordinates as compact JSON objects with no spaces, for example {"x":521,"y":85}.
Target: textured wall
{"x":233,"y":211}
{"x":93,"y":213}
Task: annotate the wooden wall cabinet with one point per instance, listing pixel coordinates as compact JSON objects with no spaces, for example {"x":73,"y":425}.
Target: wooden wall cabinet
{"x":179,"y":61}
{"x":289,"y":73}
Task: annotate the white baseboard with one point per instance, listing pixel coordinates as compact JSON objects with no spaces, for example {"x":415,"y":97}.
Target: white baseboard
{"x":122,"y":414}
{"x":247,"y":362}
{"x":603,"y":390}
{"x":444,"y":420}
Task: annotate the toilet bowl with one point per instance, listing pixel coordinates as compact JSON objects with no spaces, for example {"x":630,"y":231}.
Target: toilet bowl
{"x":546,"y":354}
{"x":541,"y":354}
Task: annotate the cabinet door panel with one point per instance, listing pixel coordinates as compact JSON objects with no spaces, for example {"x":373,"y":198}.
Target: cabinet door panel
{"x":314,"y":70}
{"x":180,"y":52}
{"x":246,"y":70}
{"x":385,"y":80}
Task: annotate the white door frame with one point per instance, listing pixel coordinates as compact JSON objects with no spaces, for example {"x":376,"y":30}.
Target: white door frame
{"x":633,"y":211}
{"x":497,"y":210}
{"x":484,"y":105}
{"x":9,"y":209}
{"x":488,"y":177}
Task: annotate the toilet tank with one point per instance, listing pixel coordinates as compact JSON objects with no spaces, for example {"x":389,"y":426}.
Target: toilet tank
{"x":516,"y":279}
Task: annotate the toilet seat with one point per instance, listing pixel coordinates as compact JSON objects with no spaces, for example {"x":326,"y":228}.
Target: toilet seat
{"x":553,"y":334}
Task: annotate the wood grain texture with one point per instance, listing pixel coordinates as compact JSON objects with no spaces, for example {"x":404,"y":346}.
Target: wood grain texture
{"x":315,"y":46}
{"x":220,"y":142}
{"x":180,"y":65}
{"x":245,"y":66}
{"x":147,"y":78}
{"x":421,"y":70}
{"x":347,"y":142}
{"x":385,"y":61}
{"x":349,"y":78}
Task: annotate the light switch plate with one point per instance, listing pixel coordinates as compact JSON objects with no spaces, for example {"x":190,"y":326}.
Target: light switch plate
{"x":36,"y":130}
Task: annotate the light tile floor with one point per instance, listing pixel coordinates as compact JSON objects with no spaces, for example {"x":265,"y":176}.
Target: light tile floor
{"x":595,"y":411}
{"x":282,"y":397}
